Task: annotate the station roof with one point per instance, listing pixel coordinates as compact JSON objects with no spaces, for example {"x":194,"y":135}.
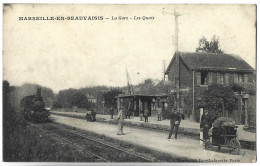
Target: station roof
{"x":138,"y":95}
{"x":210,"y":61}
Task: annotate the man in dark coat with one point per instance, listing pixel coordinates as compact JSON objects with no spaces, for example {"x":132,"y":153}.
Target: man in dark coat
{"x":175,"y":122}
{"x":206,"y":124}
{"x":93,"y":115}
{"x":111,"y":111}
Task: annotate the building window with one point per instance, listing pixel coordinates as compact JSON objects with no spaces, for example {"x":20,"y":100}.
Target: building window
{"x":202,"y":78}
{"x":235,"y":77}
{"x":240,"y":78}
{"x":220,"y":78}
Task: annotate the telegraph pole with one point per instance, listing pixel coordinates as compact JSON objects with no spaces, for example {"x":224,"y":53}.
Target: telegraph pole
{"x":177,"y":66}
{"x":163,"y":70}
{"x":176,"y":15}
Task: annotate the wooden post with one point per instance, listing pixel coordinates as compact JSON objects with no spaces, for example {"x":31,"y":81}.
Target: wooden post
{"x":193,"y":97}
{"x":201,"y":132}
{"x":140,"y":111}
{"x":223,"y":110}
{"x":118,"y":104}
{"x":241,"y":106}
{"x":246,"y":114}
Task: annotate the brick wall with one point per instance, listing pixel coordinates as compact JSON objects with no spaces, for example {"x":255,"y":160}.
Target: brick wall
{"x":185,"y":76}
{"x":172,"y":73}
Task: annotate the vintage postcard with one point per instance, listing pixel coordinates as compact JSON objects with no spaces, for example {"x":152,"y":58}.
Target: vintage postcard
{"x":129,"y":83}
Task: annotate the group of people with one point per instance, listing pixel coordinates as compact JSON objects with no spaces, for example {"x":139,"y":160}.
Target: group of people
{"x":175,"y":120}
{"x":175,"y":117}
{"x":91,"y":116}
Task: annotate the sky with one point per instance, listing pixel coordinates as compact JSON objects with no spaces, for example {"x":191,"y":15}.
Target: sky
{"x":62,"y":54}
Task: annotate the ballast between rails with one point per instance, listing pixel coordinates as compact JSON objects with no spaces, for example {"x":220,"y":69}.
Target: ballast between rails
{"x":97,"y":141}
{"x":79,"y":147}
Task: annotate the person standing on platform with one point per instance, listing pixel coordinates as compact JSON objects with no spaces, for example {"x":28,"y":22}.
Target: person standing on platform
{"x":159,"y":114}
{"x":93,"y":115}
{"x":206,"y":124}
{"x":111,"y":111}
{"x":175,"y":122}
{"x":120,"y":118}
{"x":146,"y":114}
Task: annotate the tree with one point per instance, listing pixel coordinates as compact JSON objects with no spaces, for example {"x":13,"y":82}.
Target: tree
{"x":209,"y":47}
{"x":13,"y":124}
{"x":148,"y":81}
{"x":109,"y":97}
{"x":219,"y":99}
{"x":80,"y":100}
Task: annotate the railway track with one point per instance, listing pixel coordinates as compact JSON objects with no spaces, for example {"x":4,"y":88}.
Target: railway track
{"x":103,"y":151}
{"x":93,"y":156}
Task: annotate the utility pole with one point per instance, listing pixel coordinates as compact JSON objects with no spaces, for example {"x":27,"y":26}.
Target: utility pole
{"x":177,"y":66}
{"x":176,"y":15}
{"x":163,"y":70}
{"x":129,"y":84}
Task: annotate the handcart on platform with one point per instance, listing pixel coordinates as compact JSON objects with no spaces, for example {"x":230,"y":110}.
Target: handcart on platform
{"x":224,"y":134}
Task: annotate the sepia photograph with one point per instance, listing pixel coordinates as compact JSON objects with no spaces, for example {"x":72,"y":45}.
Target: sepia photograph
{"x":129,"y":83}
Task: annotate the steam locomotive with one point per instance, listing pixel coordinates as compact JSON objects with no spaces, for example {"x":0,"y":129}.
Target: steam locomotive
{"x":33,"y":108}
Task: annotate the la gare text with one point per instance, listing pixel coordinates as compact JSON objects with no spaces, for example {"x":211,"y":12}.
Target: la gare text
{"x":133,"y":18}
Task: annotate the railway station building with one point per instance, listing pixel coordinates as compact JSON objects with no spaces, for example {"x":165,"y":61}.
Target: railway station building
{"x":191,"y":73}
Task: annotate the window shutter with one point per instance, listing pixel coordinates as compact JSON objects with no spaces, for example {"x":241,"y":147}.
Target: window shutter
{"x":182,"y":102}
{"x":221,"y":78}
{"x":218,"y":78}
{"x":246,"y":78}
{"x":210,"y":78}
{"x":198,"y":74}
{"x":226,"y":79}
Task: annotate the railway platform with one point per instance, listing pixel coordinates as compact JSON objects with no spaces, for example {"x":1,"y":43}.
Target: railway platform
{"x":183,"y":147}
{"x":186,"y":127}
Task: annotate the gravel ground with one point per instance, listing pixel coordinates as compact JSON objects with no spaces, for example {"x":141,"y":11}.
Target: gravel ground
{"x":183,"y":147}
{"x":242,"y":134}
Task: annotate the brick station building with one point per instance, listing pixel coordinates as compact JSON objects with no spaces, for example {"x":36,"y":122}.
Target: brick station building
{"x":190,"y":74}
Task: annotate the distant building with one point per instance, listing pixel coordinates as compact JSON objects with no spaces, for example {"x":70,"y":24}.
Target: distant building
{"x":92,"y":98}
{"x":194,"y":72}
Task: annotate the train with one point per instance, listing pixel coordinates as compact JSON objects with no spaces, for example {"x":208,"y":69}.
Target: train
{"x":33,"y":108}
